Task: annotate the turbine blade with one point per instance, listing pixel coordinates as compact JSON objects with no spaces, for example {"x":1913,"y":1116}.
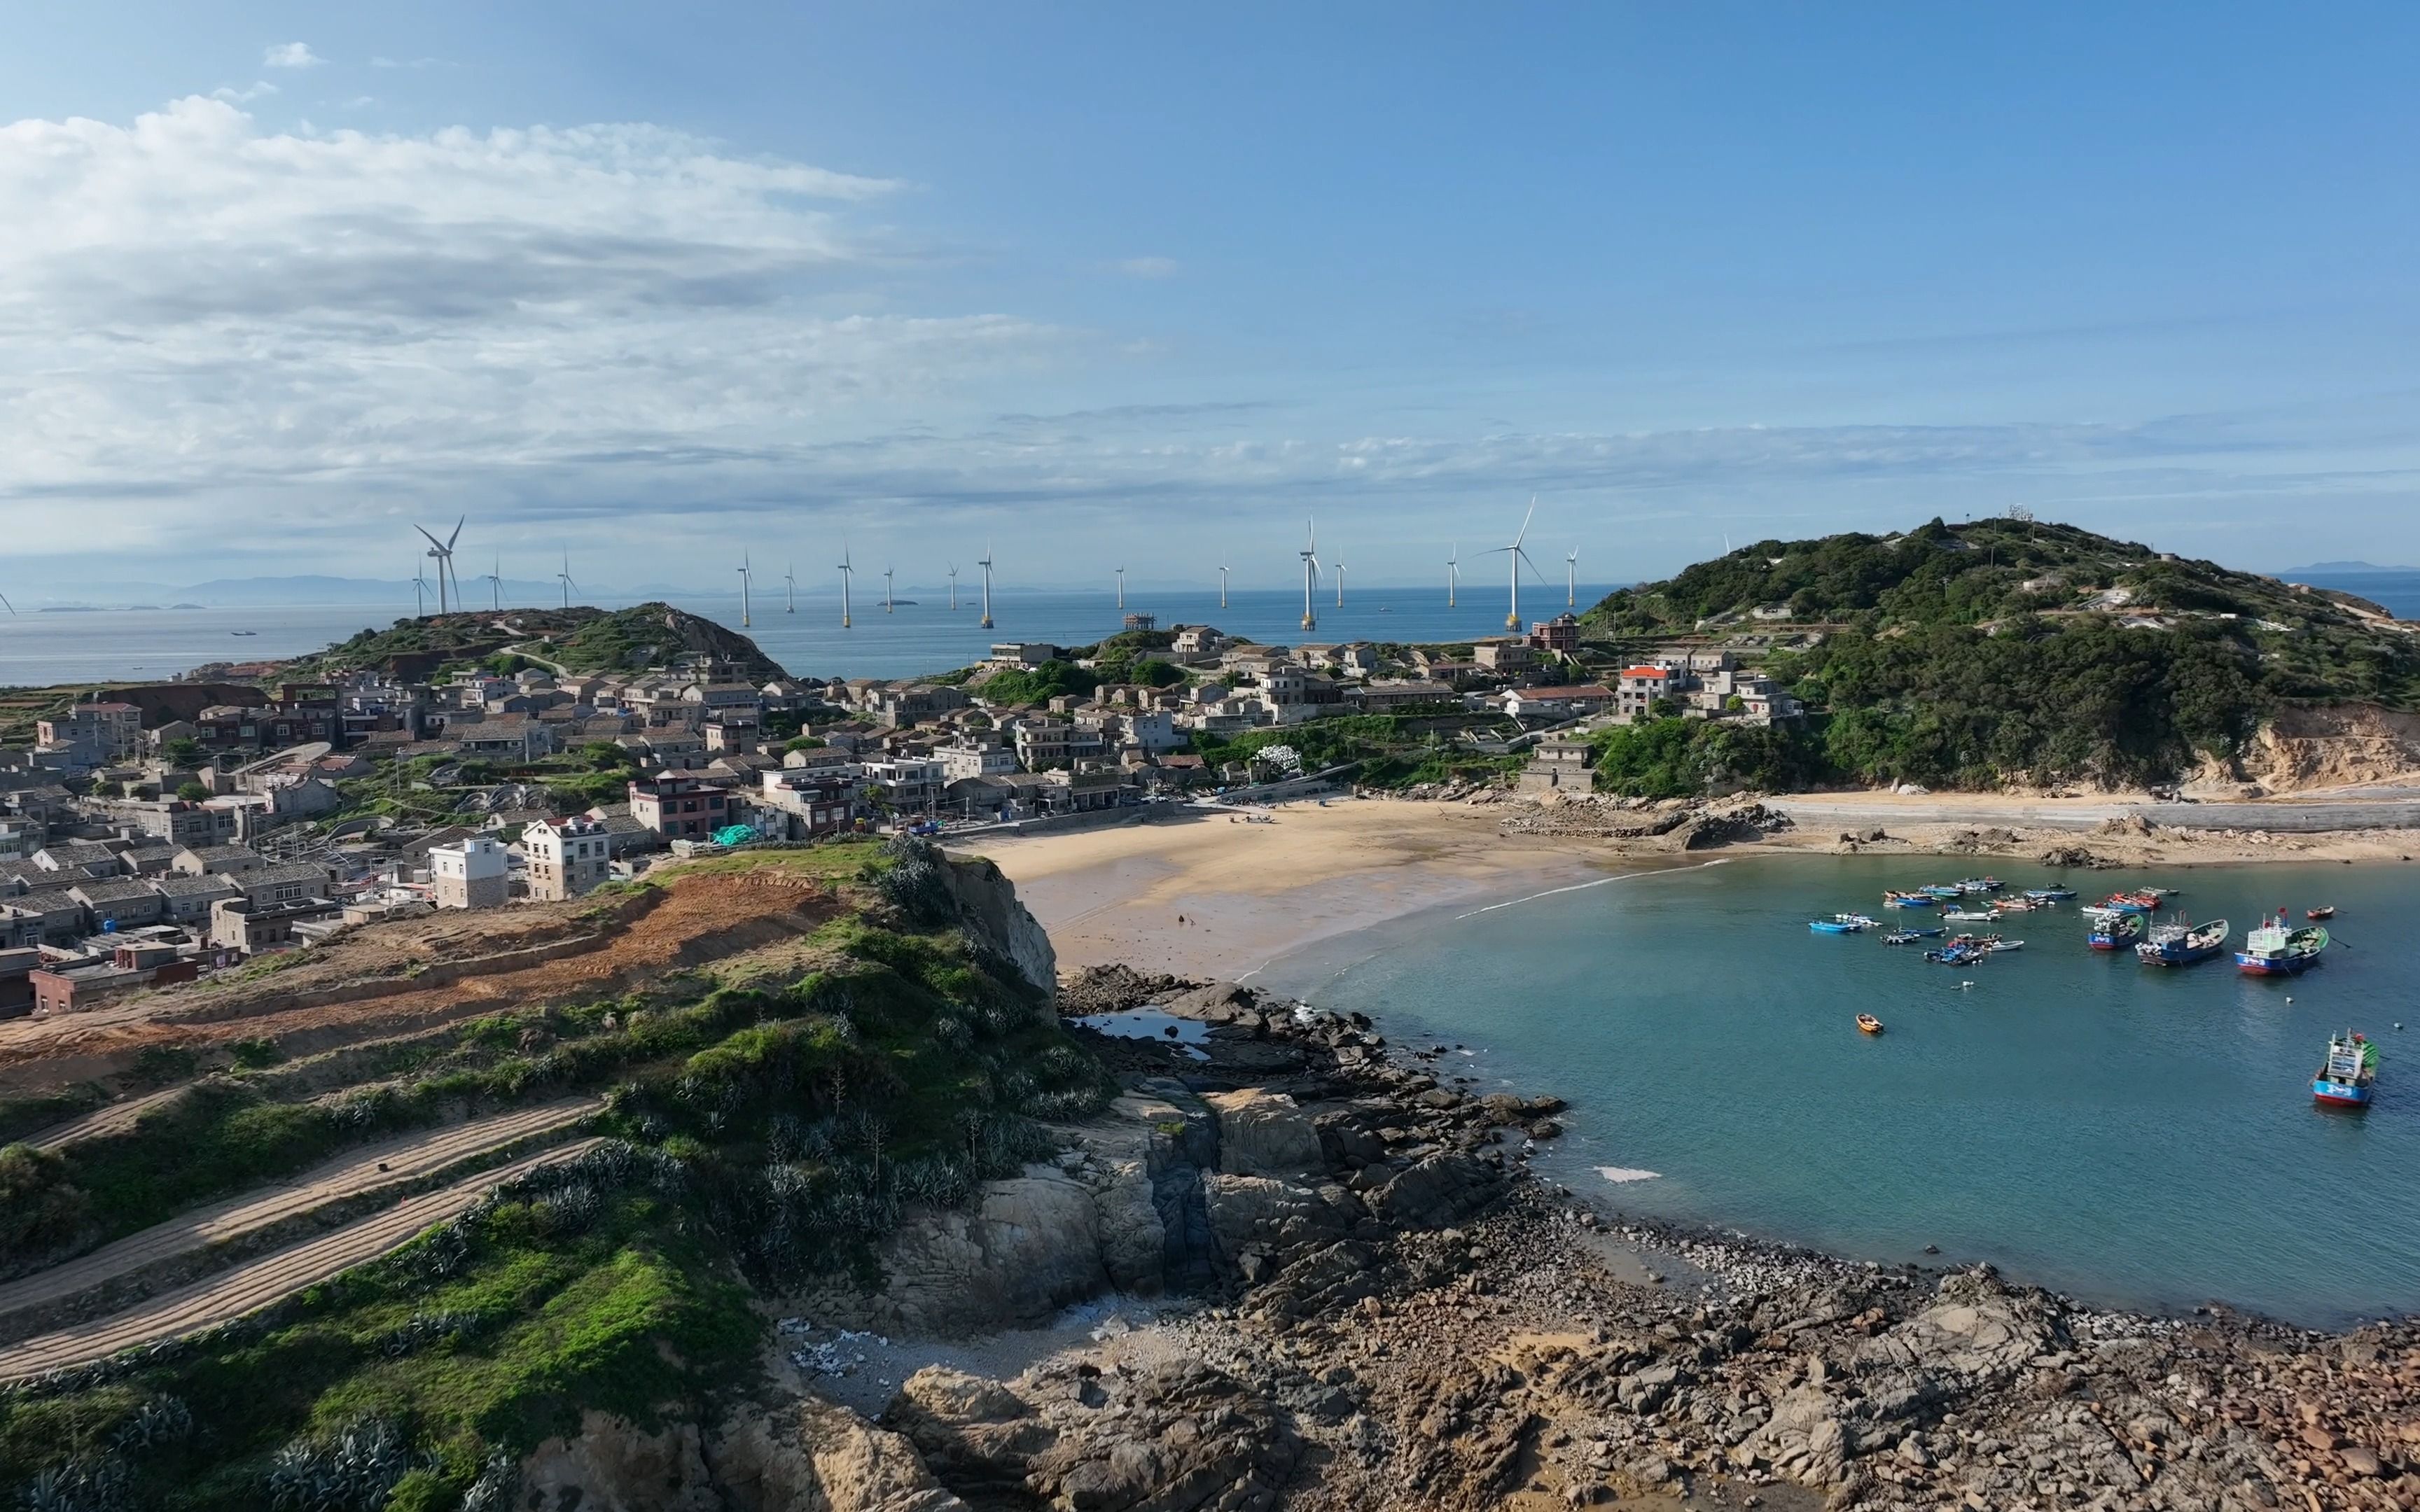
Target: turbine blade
{"x":4,"y":599}
{"x":457,"y":534}
{"x":432,"y":540}
{"x":1524,"y":522}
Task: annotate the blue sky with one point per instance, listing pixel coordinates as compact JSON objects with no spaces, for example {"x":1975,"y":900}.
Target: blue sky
{"x":1149,"y":285}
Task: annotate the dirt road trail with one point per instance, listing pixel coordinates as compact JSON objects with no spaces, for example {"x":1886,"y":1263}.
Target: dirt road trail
{"x":116,"y":1118}
{"x":230,"y":1294}
{"x":390,"y":1163}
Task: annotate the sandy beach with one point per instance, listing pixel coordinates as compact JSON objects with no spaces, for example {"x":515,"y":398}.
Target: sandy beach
{"x":1210,"y":897}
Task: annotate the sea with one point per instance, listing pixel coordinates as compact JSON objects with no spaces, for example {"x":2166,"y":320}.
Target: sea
{"x":2396,"y":591}
{"x":2132,"y":1135}
{"x":921,"y":635}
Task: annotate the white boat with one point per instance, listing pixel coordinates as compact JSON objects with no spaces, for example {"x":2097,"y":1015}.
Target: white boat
{"x":1971,"y":916}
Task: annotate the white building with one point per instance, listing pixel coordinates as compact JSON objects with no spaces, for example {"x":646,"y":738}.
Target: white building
{"x":566,"y":857}
{"x":975,"y":759}
{"x":469,"y":873}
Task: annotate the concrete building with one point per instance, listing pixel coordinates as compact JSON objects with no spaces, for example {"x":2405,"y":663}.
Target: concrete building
{"x":809,"y":801}
{"x":1637,"y":689}
{"x":86,"y":984}
{"x":566,"y":857}
{"x":110,"y":732}
{"x":975,"y":758}
{"x":679,"y":808}
{"x":469,"y":873}
{"x":1560,"y":763}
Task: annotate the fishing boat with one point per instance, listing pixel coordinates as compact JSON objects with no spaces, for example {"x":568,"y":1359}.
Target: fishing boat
{"x":1910,"y":900}
{"x":1841,"y":924}
{"x":1868,"y":1024}
{"x":1908,"y":936}
{"x":2050,"y":895}
{"x":2182,"y":943}
{"x":1942,"y":890}
{"x":2276,"y":949}
{"x":1956,"y":954}
{"x":2145,"y":901}
{"x":1969,"y":916}
{"x":2016,"y":906}
{"x":2344,"y":1078}
{"x":2315,"y":915}
{"x":2111,"y":929}
{"x":1980,"y":884}
{"x":1996,"y":946}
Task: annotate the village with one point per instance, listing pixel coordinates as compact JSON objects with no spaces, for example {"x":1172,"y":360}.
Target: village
{"x":155,"y":834}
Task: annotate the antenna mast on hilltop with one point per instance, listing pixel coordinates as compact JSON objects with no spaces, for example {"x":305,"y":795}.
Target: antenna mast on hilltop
{"x":1518,"y":556}
{"x":567,"y":584}
{"x":745,"y":577}
{"x":444,"y":551}
{"x":1310,"y":554}
{"x":985,"y":565}
{"x":844,"y":571}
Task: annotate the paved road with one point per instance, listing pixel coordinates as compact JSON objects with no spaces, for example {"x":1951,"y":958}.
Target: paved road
{"x":231,"y":1294}
{"x":2277,"y":818}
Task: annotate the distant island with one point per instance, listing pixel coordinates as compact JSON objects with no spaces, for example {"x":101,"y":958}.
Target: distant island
{"x":2339,"y":567}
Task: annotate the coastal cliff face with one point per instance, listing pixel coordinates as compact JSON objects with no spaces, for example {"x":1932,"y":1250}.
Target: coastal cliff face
{"x":990,"y":911}
{"x":2330,"y":745}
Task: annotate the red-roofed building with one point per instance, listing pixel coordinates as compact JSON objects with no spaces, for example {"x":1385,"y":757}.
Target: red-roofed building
{"x":1636,"y":692}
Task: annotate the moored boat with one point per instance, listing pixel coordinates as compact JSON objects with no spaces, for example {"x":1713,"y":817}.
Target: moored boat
{"x":2315,"y":915}
{"x":1868,"y":1024}
{"x":1908,"y":936}
{"x":2279,"y":950}
{"x":1841,"y":924}
{"x":1973,"y":884}
{"x":2145,"y":901}
{"x":1970,"y":916}
{"x":1996,"y":946}
{"x":2049,"y":895}
{"x":1958,"y":955}
{"x":2346,"y":1077}
{"x":1943,"y":890}
{"x":2182,"y":943}
{"x":1910,"y":900}
{"x":2111,"y":929}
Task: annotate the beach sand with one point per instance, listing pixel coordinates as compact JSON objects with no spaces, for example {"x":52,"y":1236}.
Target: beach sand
{"x":1249,"y":893}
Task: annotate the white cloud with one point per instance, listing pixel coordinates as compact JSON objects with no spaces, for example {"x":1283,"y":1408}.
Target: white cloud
{"x":244,"y":96}
{"x":1148,"y":266}
{"x":292,"y":55}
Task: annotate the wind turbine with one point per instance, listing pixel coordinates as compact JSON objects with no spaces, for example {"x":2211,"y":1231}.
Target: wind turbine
{"x":886,"y":574}
{"x":1122,"y":589}
{"x":745,"y":577}
{"x":846,"y":570}
{"x":444,"y":551}
{"x":985,"y":565}
{"x":1571,"y":580}
{"x":419,"y":591}
{"x":495,"y":580}
{"x":1222,"y":587}
{"x":1310,"y":554}
{"x":1452,"y":573}
{"x":1340,"y":583}
{"x":565,"y":576}
{"x":1517,"y":556}
{"x":790,"y":586}
{"x":954,"y":588}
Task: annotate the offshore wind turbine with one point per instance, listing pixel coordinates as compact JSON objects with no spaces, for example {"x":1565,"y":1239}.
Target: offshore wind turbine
{"x":444,"y":551}
{"x":1340,"y":583}
{"x":846,"y":571}
{"x":790,"y":586}
{"x":565,"y":576}
{"x":1452,"y":573}
{"x":1222,"y":587}
{"x":746,"y":577}
{"x":1517,"y":556}
{"x":954,"y":588}
{"x":1122,"y":589}
{"x":985,"y":565}
{"x":1571,"y":580}
{"x":1310,"y":554}
{"x":888,"y":573}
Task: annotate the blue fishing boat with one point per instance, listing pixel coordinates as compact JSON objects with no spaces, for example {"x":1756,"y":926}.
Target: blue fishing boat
{"x":1958,"y":955}
{"x":2050,"y":895}
{"x":1908,"y":936}
{"x":2182,"y":943}
{"x":2344,"y":1078}
{"x":1910,"y":900}
{"x":2277,"y":948}
{"x":1842,"y":924}
{"x":1942,"y":890}
{"x":1973,"y":884}
{"x":2111,"y":929}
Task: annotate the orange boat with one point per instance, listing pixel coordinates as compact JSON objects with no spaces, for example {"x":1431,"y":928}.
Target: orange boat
{"x":2316,"y":913}
{"x":1868,"y":1024}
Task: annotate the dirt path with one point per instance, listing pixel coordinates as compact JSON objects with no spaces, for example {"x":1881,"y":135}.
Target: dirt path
{"x":231,"y":1294}
{"x":388,"y":1163}
{"x":116,"y":1118}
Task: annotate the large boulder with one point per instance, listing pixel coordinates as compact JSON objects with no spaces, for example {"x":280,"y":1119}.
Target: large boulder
{"x":611,"y":1466}
{"x":1029,"y":1246}
{"x":822,"y":1457}
{"x":1257,"y":1223}
{"x":1437,"y":1192}
{"x":1263,"y":1134}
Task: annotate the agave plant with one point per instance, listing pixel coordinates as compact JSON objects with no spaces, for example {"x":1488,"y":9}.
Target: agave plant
{"x":163,"y":1420}
{"x":78,"y":1485}
{"x":353,"y":1472}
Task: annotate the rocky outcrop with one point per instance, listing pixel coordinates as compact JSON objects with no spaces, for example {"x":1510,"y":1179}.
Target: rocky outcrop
{"x":2331,"y":745}
{"x":1263,"y":1134}
{"x":991,"y":913}
{"x":613,"y":1466}
{"x":819,"y":1458}
{"x":1030,"y":1245}
{"x":1176,"y":1436}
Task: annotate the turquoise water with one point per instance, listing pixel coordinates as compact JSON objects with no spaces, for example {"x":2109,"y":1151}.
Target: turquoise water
{"x":2134,"y":1135}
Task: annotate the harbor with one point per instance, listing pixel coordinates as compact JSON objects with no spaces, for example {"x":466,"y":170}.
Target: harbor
{"x":2078,"y":1117}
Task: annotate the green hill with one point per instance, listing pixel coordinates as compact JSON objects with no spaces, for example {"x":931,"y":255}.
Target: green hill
{"x":1996,"y":652}
{"x":578,"y":639}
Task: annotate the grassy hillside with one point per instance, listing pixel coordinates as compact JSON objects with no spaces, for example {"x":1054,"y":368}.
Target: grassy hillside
{"x":581,"y":640}
{"x":2001,"y":651}
{"x":763,"y":1131}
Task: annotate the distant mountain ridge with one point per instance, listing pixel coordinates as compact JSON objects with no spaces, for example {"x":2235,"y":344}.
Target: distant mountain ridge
{"x":2338,"y":567}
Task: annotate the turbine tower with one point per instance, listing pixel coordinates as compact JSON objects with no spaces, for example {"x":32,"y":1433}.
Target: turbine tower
{"x":1452,"y":573}
{"x":495,"y":578}
{"x":886,"y":574}
{"x":985,"y":565}
{"x":1571,"y":580}
{"x":1222,"y":587}
{"x":1309,"y":555}
{"x":419,"y":591}
{"x":1122,"y":589}
{"x":564,"y":575}
{"x":745,"y":575}
{"x":790,"y":586}
{"x":1514,"y":554}
{"x":846,"y":570}
{"x":1339,"y":582}
{"x":954,"y":588}
{"x":444,"y":551}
